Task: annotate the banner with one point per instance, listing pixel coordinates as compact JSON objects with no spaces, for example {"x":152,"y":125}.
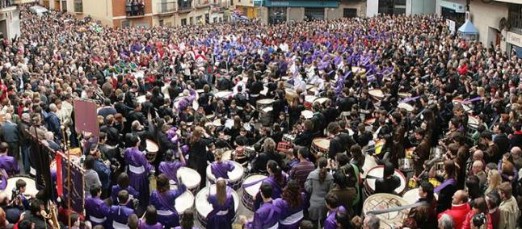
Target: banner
{"x":75,"y":192}
{"x":59,"y":174}
{"x":40,"y":160}
{"x":86,"y":117}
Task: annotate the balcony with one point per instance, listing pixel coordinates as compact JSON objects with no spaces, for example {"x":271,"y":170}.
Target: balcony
{"x":7,"y":5}
{"x":20,"y":2}
{"x":202,"y":4}
{"x":134,"y":10}
{"x":184,"y":6}
{"x":166,"y":8}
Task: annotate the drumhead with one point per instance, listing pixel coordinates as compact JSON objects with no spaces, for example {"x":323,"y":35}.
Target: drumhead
{"x":473,"y":121}
{"x":234,"y":176}
{"x":184,"y":202}
{"x":307,"y":114}
{"x":151,"y":146}
{"x":378,"y":172}
{"x":383,"y":201}
{"x":405,"y":106}
{"x":321,"y":100}
{"x":310,"y":98}
{"x":322,"y":143}
{"x":254,"y":189}
{"x":204,"y":207}
{"x":189,"y":177}
{"x":412,"y":195}
{"x":141,"y":99}
{"x":369,"y":163}
{"x":30,"y":188}
{"x":265,"y":101}
{"x":377,"y":93}
{"x":223,"y":94}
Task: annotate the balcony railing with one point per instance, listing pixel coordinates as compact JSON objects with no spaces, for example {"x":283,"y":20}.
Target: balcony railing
{"x":184,"y":6}
{"x":135,"y":10}
{"x":166,"y":7}
{"x":202,"y":3}
{"x":19,"y":2}
{"x":6,"y":3}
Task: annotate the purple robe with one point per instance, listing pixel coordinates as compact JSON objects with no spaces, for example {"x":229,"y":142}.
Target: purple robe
{"x":444,"y":184}
{"x":170,"y":169}
{"x":290,"y":217}
{"x":138,"y":170}
{"x":9,"y":164}
{"x":3,"y":182}
{"x":119,"y":215}
{"x":97,"y":211}
{"x":277,"y":190}
{"x":164,"y":203}
{"x":266,"y":217}
{"x":331,"y":222}
{"x":221,"y":169}
{"x":132,"y":194}
{"x":144,"y":225}
{"x":222,"y":216}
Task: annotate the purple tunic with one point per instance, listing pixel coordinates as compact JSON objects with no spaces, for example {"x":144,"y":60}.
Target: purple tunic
{"x":144,"y":225}
{"x":290,"y":217}
{"x":96,"y":211}
{"x":222,"y":216}
{"x":119,"y":215}
{"x":132,"y":194}
{"x":221,"y":169}
{"x":164,"y":203}
{"x":331,"y":222}
{"x":266,"y":217}
{"x":9,"y":164}
{"x":170,"y":169}
{"x":277,"y":190}
{"x":138,"y":170}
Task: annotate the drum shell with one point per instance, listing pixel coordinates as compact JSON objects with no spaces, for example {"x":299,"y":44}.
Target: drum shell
{"x":202,"y":196}
{"x":249,"y":198}
{"x":320,"y":149}
{"x":369,"y":190}
{"x":234,"y":182}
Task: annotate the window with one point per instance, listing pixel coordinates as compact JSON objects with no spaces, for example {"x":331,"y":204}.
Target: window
{"x":78,"y":6}
{"x":183,"y":22}
{"x":515,"y":17}
{"x":161,"y":22}
{"x":349,"y":12}
{"x":125,"y":24}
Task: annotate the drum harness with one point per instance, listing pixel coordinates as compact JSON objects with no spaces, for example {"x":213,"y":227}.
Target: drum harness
{"x":399,"y":208}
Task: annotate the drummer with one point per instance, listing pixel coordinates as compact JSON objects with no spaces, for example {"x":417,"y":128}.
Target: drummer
{"x":170,"y":166}
{"x":220,"y":168}
{"x":164,"y":200}
{"x":223,"y":210}
{"x":389,"y":182}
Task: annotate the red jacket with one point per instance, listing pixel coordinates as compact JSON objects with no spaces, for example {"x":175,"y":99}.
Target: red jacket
{"x":467,"y":222}
{"x":458,"y":213}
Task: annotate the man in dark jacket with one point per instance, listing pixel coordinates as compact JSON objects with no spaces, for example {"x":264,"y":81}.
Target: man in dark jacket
{"x":389,"y":182}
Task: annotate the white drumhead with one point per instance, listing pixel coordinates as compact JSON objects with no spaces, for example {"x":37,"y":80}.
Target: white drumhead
{"x":30,"y":188}
{"x":265,"y":101}
{"x":233,"y":176}
{"x":310,"y":98}
{"x":411,"y":196}
{"x":189,"y":177}
{"x":184,"y":202}
{"x":151,"y":146}
{"x":321,"y":100}
{"x":378,"y":172}
{"x":229,"y":123}
{"x":307,"y":114}
{"x":223,"y":94}
{"x":369,"y":163}
{"x":473,"y":121}
{"x":204,"y":207}
{"x":254,"y":189}
{"x":405,"y":106}
{"x":141,"y":99}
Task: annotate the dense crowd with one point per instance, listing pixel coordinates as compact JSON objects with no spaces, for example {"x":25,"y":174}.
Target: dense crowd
{"x":339,"y":118}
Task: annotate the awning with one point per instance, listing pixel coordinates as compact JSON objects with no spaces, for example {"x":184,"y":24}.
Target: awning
{"x":468,"y":28}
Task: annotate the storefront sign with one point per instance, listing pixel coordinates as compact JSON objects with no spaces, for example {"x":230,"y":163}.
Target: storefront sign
{"x":306,"y":4}
{"x":513,"y":38}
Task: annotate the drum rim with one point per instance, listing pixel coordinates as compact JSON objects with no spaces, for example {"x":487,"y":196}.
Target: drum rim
{"x":189,"y":193}
{"x":396,"y":171}
{"x":184,"y":182}
{"x":384,"y":196}
{"x":253,"y":175}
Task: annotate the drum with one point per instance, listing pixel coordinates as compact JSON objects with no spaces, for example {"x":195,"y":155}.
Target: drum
{"x":190,"y":178}
{"x":369,"y":163}
{"x":290,"y":95}
{"x":465,"y":106}
{"x":406,"y":107}
{"x":377,"y":172}
{"x":321,"y":100}
{"x":203,"y":207}
{"x":262,"y":103}
{"x":30,"y":188}
{"x":234,"y":176}
{"x":141,"y":99}
{"x":412,"y":195}
{"x":307,"y":114}
{"x":223,"y":94}
{"x":358,"y":70}
{"x":309,"y":100}
{"x":152,"y":150}
{"x":404,"y":95}
{"x":383,"y":201}
{"x":320,"y":146}
{"x":184,"y":202}
{"x":376,"y":94}
{"x":473,"y":122}
{"x":406,"y":165}
{"x":288,"y":138}
{"x":227,"y":155}
{"x":251,"y":187}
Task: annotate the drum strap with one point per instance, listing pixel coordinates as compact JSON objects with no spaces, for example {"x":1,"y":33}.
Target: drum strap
{"x":252,"y":183}
{"x":395,"y":209}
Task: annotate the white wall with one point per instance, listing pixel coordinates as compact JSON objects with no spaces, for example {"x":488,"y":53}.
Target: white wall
{"x":372,"y":8}
{"x":486,"y":16}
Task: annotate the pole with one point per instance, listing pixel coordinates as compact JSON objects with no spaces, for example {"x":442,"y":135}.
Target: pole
{"x":66,"y":150}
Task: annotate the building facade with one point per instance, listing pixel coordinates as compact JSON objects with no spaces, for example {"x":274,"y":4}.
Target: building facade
{"x":9,"y":19}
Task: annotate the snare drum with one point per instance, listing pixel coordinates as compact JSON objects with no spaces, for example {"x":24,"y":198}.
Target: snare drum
{"x":377,"y":172}
{"x":203,"y":207}
{"x":262,"y":103}
{"x":307,"y":114}
{"x":184,"y":202}
{"x":251,"y":187}
{"x":376,"y":94}
{"x":412,"y":196}
{"x":152,"y":150}
{"x":383,"y":201}
{"x":320,"y":146}
{"x":309,"y":100}
{"x":190,"y":178}
{"x":223,"y":94}
{"x":30,"y":188}
{"x":234,"y":176}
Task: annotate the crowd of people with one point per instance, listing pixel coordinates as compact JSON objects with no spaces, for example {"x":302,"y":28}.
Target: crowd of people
{"x":437,"y":113}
